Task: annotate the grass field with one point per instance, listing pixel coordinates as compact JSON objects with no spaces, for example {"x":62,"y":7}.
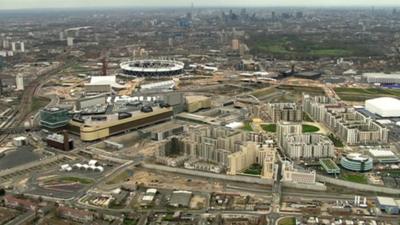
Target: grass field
{"x":121,"y":177}
{"x":309,"y":128}
{"x":247,"y":127}
{"x":129,"y":222}
{"x":302,"y":89}
{"x":306,"y":128}
{"x":38,"y":103}
{"x":287,"y":221}
{"x":336,"y":141}
{"x":360,"y":94}
{"x":355,"y":177}
{"x":254,"y":169}
{"x":287,"y":45}
{"x":263,"y":92}
{"x":269,"y":128}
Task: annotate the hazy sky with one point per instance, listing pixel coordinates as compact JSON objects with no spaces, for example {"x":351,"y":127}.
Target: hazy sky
{"x":20,"y":4}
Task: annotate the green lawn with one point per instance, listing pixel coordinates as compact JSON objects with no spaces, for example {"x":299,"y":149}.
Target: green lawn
{"x":38,"y":103}
{"x":247,"y":127}
{"x":269,"y":127}
{"x":254,"y":169}
{"x":355,"y":177}
{"x":331,"y":52}
{"x":302,"y":89}
{"x":362,"y":94}
{"x":121,"y":177}
{"x":311,"y":45}
{"x":129,"y":222}
{"x":336,"y":141}
{"x":306,"y":128}
{"x":309,"y":128}
{"x":287,"y":221}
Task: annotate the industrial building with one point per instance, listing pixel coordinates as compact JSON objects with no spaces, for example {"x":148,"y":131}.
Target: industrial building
{"x":91,"y":128}
{"x":91,"y":101}
{"x":308,"y":75}
{"x":348,"y":124}
{"x":20,"y":141}
{"x":389,"y":205}
{"x":162,"y":131}
{"x":382,"y":78}
{"x":384,"y":106}
{"x":60,"y":141}
{"x":356,"y":162}
{"x":158,"y":86}
{"x":383,"y":156}
{"x":152,"y":68}
{"x":102,"y":84}
{"x":54,"y":118}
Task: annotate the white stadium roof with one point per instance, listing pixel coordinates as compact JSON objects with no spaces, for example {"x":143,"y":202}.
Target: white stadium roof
{"x":384,"y":106}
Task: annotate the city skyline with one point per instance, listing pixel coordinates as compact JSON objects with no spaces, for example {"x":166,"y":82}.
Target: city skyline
{"x":37,"y":4}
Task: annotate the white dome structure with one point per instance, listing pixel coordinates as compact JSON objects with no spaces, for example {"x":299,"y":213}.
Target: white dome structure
{"x":384,"y":106}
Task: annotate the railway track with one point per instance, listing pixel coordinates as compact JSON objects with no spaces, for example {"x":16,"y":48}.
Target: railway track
{"x":25,"y":107}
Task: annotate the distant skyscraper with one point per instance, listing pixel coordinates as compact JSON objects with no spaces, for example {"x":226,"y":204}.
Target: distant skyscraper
{"x":70,"y":41}
{"x":13,"y":47}
{"x":299,"y":15}
{"x":22,"y":47}
{"x":19,"y":80}
{"x":170,"y":42}
{"x":6,"y":44}
{"x":235,"y":44}
{"x":62,"y":36}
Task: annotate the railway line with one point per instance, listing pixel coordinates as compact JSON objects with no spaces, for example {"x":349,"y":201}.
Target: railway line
{"x":24,"y":109}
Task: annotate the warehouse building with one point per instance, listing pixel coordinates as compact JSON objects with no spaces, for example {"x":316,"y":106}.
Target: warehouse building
{"x":60,"y":141}
{"x":388,"y":205}
{"x":162,"y":131}
{"x":384,"y":106}
{"x":383,"y":156}
{"x":102,"y":84}
{"x":91,"y":101}
{"x":382,"y":78}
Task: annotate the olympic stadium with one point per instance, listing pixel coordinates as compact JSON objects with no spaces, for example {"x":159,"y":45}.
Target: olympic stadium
{"x":152,"y":68}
